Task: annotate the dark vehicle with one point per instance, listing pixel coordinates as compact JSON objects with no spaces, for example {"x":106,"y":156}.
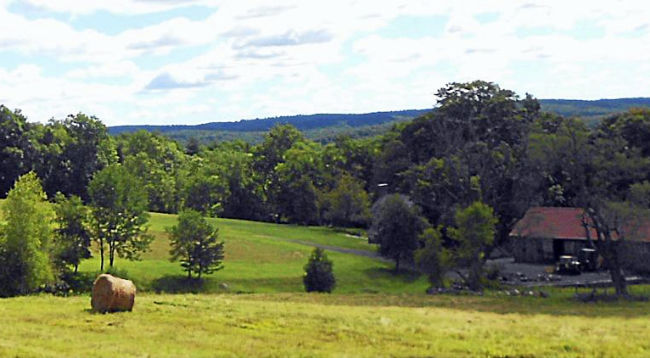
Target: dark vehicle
{"x":588,"y":259}
{"x":568,"y":265}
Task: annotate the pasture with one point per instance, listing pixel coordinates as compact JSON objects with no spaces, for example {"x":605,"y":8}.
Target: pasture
{"x":265,"y":258}
{"x":315,"y":325}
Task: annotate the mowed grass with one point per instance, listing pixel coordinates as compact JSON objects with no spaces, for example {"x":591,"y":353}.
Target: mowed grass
{"x":264,"y":258}
{"x":314,"y":325}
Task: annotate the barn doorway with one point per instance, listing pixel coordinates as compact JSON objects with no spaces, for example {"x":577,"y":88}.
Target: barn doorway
{"x":558,"y":249}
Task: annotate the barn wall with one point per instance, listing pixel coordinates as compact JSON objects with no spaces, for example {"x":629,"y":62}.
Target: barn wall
{"x":532,"y":250}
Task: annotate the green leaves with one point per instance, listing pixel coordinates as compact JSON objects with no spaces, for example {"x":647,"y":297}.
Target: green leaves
{"x":194,"y":243}
{"x":319,"y":276}
{"x":25,"y":238}
{"x":119,"y":213}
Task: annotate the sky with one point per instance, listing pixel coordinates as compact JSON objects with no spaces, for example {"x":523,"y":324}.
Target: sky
{"x":197,"y":61}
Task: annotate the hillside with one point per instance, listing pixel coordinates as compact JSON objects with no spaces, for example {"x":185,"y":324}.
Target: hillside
{"x":302,"y":122}
{"x":265,"y":257}
{"x":325,"y":127}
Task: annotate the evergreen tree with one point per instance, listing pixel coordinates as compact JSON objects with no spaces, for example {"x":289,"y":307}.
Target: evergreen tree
{"x":318,"y":273}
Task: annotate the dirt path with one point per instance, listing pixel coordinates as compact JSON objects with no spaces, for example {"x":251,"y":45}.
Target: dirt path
{"x":343,"y":250}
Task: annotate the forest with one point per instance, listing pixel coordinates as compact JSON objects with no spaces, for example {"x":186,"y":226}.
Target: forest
{"x":324,"y":128}
{"x":483,"y":147}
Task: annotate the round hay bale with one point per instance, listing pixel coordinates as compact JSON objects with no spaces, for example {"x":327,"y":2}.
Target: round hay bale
{"x":112,"y":294}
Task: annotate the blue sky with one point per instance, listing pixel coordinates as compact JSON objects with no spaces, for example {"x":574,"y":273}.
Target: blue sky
{"x":197,"y":61}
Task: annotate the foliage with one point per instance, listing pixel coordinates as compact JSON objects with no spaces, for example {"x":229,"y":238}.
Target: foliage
{"x":194,"y":242}
{"x":25,"y":238}
{"x":396,"y":228}
{"x":159,"y":164}
{"x":72,"y":236}
{"x":16,"y":151}
{"x":348,"y":203}
{"x":119,"y":214}
{"x":474,"y":234}
{"x":432,"y":258}
{"x":319,"y":276}
{"x":474,"y":146}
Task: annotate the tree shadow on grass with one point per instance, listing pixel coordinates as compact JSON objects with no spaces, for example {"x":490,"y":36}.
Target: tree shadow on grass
{"x":178,"y":284}
{"x":405,"y":275}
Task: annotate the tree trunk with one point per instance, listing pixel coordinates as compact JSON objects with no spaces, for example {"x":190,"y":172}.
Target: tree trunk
{"x":76,"y":268}
{"x":111,"y":255}
{"x":397,"y":264}
{"x":474,"y":281}
{"x":101,"y":254}
{"x":615,"y":271}
{"x":189,"y":274}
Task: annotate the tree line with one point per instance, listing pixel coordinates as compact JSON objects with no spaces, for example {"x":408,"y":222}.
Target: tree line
{"x":483,"y":147}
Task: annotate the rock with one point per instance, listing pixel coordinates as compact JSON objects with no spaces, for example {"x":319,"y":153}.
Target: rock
{"x":223,"y":286}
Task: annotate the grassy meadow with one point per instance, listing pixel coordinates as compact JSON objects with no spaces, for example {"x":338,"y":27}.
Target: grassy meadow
{"x":315,"y":325}
{"x":264,"y":258}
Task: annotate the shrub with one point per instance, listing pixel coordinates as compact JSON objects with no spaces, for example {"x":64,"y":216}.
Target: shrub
{"x":318,"y":273}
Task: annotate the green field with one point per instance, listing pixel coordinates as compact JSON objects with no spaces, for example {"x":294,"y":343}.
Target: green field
{"x":312,"y":325}
{"x":265,"y":258}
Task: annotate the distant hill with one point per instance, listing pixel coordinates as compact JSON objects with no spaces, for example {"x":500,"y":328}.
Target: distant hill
{"x":325,"y":127}
{"x":601,"y":107}
{"x":302,"y":122}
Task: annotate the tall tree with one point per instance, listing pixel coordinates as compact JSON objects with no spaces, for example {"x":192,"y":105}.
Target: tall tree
{"x":119,"y":214}
{"x":474,"y":233}
{"x":15,"y":148}
{"x":432,"y":258}
{"x":295,"y":190}
{"x":348,"y":203}
{"x":158,"y":162}
{"x":90,"y":150}
{"x":25,"y":238}
{"x":396,"y":227}
{"x":72,"y":237}
{"x":476,"y":139}
{"x":194,"y":242}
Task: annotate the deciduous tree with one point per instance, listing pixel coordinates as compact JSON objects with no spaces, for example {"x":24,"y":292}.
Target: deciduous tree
{"x":396,"y":227}
{"x":25,"y":238}
{"x":194,"y":243}
{"x":474,"y":233}
{"x":119,"y":214}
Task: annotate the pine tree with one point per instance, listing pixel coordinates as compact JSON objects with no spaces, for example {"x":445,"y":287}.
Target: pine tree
{"x":318,"y":273}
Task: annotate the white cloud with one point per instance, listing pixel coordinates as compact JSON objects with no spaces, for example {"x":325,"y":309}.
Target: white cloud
{"x":306,"y":56}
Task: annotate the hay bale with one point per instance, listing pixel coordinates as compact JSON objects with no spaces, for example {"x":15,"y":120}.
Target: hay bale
{"x":112,"y":294}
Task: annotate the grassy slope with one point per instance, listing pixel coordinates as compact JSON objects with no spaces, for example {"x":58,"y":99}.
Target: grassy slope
{"x":261,"y":257}
{"x":324,"y":325}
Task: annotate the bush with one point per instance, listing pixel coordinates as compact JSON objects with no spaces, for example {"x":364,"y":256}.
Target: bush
{"x":318,"y":273}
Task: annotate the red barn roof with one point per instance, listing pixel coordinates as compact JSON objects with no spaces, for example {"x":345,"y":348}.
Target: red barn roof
{"x":560,"y":223}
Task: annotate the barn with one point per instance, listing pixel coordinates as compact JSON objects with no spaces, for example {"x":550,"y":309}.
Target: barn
{"x":546,"y":233}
